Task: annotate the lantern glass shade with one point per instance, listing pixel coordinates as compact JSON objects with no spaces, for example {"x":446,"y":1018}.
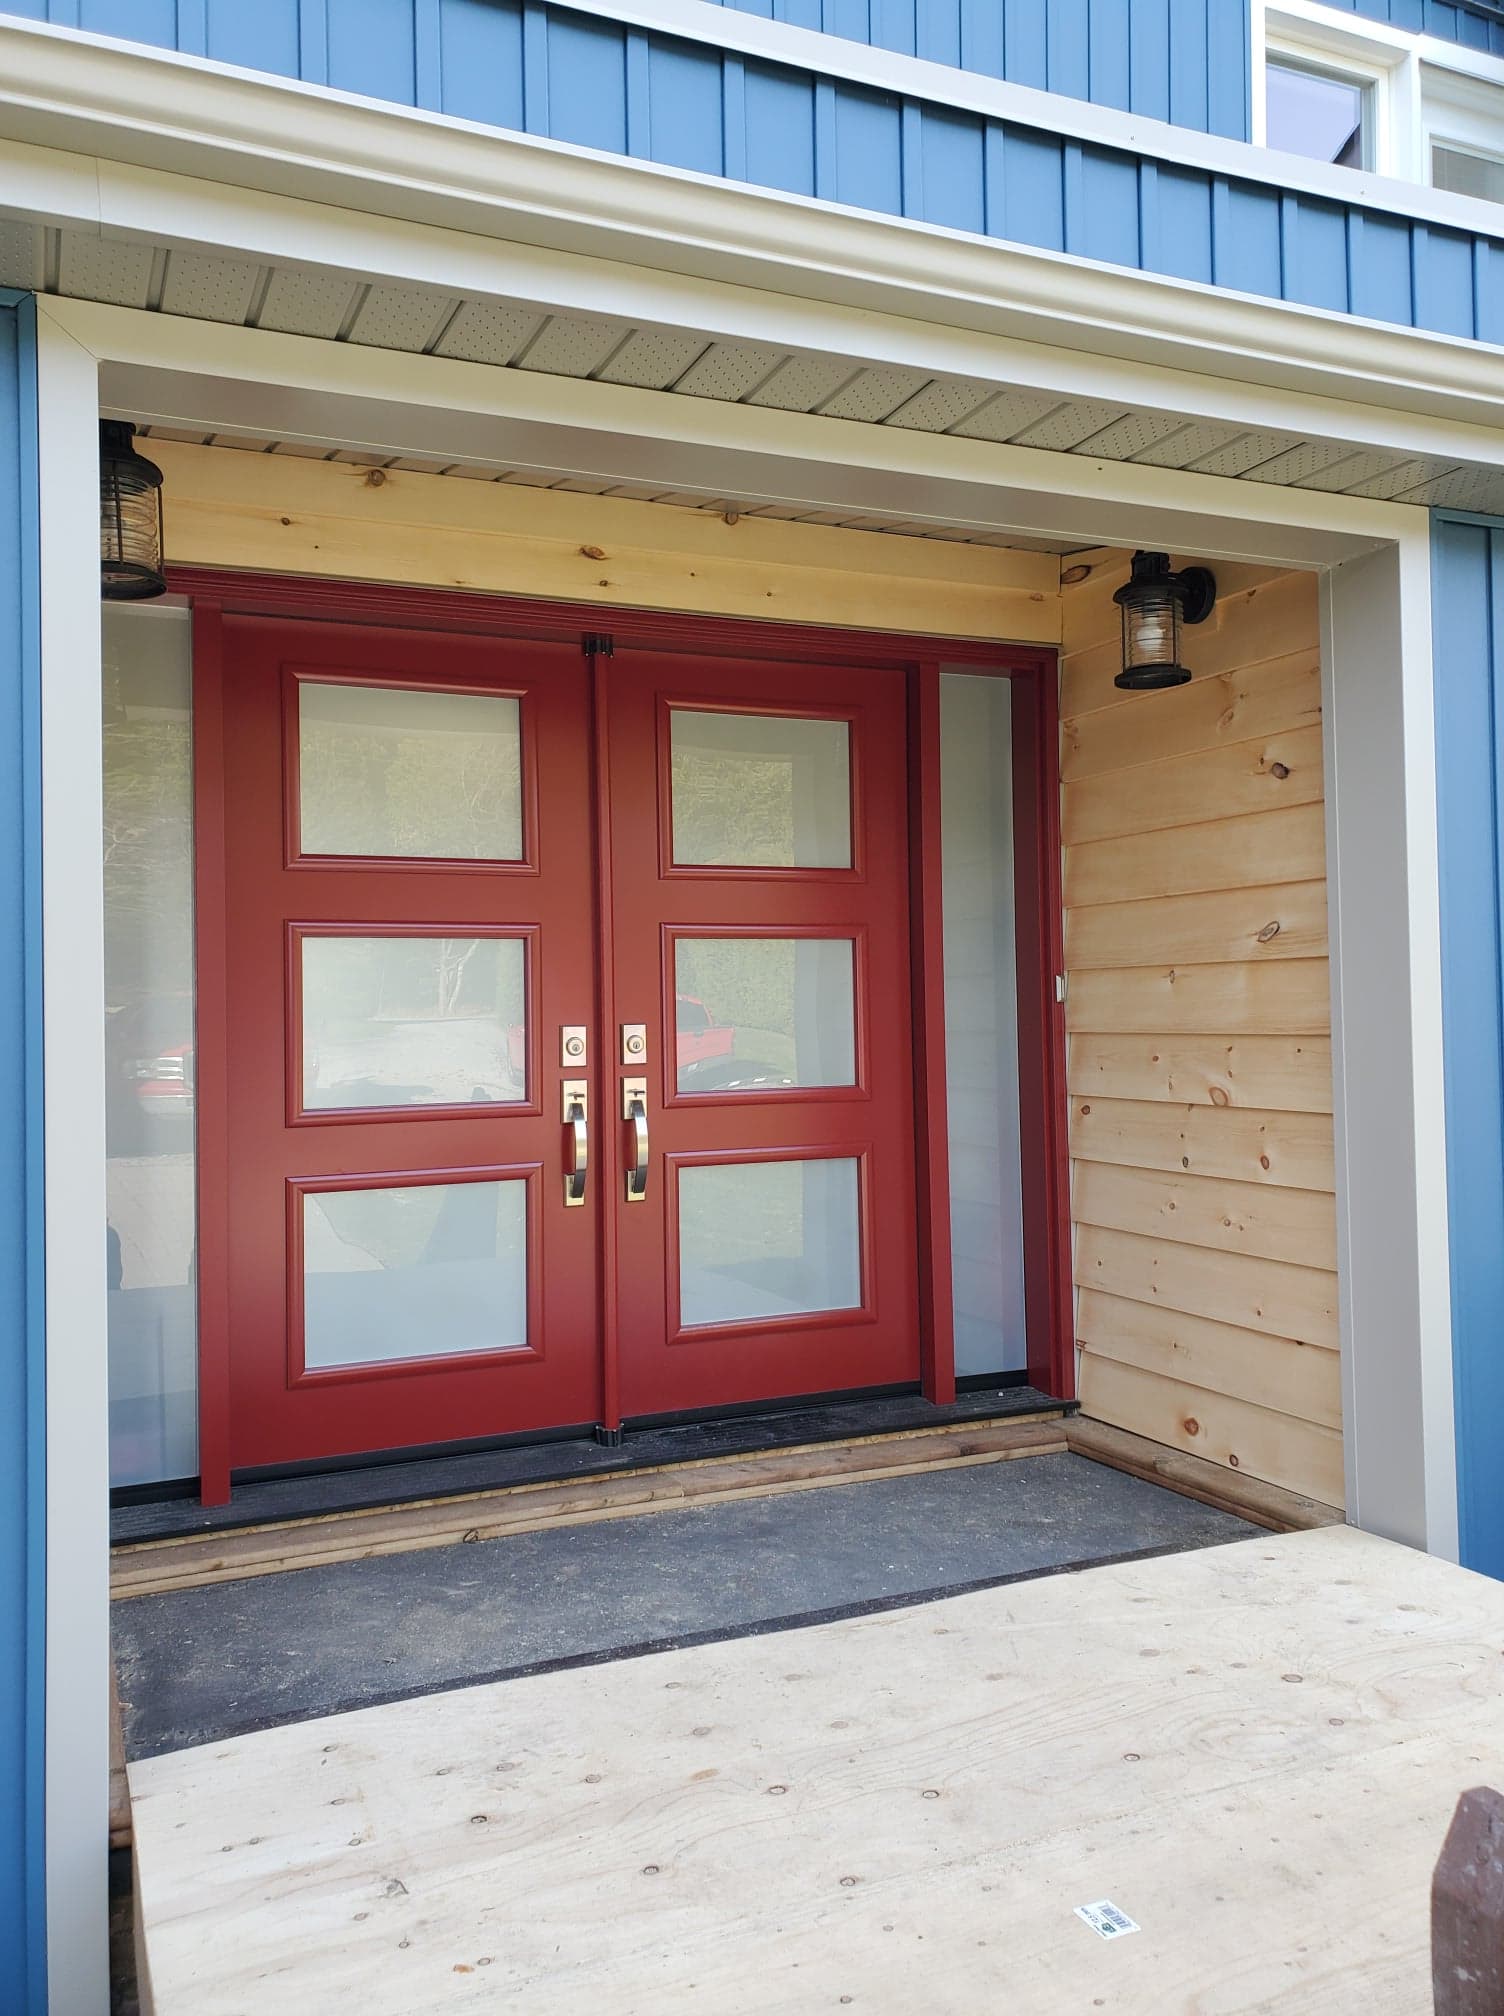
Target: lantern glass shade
{"x":130,"y":518}
{"x":1151,"y":633}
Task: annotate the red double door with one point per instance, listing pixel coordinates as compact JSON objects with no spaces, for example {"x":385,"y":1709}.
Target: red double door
{"x":568,"y":1037}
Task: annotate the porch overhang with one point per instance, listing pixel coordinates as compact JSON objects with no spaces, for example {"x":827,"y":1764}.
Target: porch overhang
{"x":205,"y":193}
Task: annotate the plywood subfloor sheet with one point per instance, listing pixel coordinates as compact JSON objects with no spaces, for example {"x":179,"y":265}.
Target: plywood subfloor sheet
{"x":1252,"y":1750}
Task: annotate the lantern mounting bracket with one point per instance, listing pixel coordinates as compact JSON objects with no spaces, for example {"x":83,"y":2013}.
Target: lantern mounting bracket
{"x":1200,"y":585}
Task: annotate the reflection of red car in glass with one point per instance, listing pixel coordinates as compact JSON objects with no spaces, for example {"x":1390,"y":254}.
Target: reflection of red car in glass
{"x":700,"y":1037}
{"x":154,"y":1049}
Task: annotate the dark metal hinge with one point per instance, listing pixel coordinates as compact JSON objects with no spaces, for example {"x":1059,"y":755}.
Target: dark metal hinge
{"x":595,"y":645}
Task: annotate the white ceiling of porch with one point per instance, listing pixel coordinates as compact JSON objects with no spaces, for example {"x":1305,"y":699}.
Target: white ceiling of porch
{"x":341,"y":307}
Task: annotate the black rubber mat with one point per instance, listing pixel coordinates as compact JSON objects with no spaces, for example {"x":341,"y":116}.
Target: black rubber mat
{"x":200,"y":1665}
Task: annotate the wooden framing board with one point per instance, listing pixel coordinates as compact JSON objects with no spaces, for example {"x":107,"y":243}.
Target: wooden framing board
{"x":1251,"y":1498}
{"x":1257,"y":1774}
{"x":286,"y":514}
{"x":194,"y":1560}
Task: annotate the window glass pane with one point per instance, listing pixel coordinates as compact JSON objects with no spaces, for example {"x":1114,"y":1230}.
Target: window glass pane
{"x":1318,"y":116}
{"x":764,"y":1012}
{"x":151,"y":1226}
{"x":413,"y":1021}
{"x":383,"y":772}
{"x":981,"y":1021}
{"x":424,"y":1270}
{"x":764,"y":1239}
{"x":1468,"y":174}
{"x":760,"y":791}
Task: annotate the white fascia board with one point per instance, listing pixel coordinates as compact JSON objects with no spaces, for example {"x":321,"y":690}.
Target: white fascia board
{"x":196,"y":153}
{"x":1456,"y":411}
{"x":1092,"y":125}
{"x":214,"y":375}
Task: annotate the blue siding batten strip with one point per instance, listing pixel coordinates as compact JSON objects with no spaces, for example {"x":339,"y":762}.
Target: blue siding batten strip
{"x":23,"y":1901}
{"x":1468,"y":599}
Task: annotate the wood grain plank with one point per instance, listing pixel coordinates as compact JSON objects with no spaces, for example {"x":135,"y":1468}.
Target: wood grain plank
{"x":1250,"y":1144}
{"x":1279,"y":1373}
{"x":1268,"y":620}
{"x":1299,"y":1455}
{"x":1264,"y":1295}
{"x":1267,"y":1505}
{"x":1283,"y":768}
{"x":1266,"y":1220}
{"x":1289,"y":997}
{"x":1232,"y":708}
{"x":1215,"y":927}
{"x":1285,"y":844}
{"x":1288,"y":1074}
{"x":295,"y":515}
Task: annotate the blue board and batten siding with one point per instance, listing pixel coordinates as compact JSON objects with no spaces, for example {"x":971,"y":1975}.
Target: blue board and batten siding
{"x":1472,"y":27}
{"x":547,"y":70}
{"x":1468,"y":584}
{"x":22,"y":1424}
{"x":1181,"y":60}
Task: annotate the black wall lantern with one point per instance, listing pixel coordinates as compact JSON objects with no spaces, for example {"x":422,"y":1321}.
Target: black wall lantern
{"x":130,"y":518}
{"x":1155,"y":602}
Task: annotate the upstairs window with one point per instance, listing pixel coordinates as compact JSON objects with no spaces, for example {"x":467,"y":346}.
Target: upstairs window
{"x":1319,"y":113}
{"x":1332,"y":85}
{"x":1468,"y":174}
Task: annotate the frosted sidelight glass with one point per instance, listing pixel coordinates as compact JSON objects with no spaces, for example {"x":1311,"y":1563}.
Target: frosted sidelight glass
{"x":760,"y":1013}
{"x":410,"y":1021}
{"x":759,"y":1240}
{"x":150,"y":1232}
{"x":388,"y":772}
{"x":421,"y":1270}
{"x":760,"y":791}
{"x":981,"y":1021}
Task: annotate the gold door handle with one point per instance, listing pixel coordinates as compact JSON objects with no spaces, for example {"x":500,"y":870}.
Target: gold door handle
{"x":576,"y":1119}
{"x":634,"y":1110}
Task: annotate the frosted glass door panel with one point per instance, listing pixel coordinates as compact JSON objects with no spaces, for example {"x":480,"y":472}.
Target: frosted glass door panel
{"x":760,"y":791}
{"x":760,"y":1240}
{"x":410,"y":1021}
{"x":386,"y":772}
{"x":761,"y":1013}
{"x":981,"y":1021}
{"x":424,"y":1270}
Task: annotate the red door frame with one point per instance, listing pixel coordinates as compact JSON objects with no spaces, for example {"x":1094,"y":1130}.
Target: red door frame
{"x":215,"y":592}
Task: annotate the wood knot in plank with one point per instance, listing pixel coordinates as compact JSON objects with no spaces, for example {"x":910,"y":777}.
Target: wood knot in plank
{"x":1270,"y":930}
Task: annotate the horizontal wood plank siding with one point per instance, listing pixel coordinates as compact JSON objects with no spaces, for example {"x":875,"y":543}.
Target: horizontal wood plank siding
{"x":1199,"y":1018}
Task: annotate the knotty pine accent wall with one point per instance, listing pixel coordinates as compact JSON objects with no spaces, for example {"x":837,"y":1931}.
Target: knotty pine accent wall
{"x":1199,"y":1021}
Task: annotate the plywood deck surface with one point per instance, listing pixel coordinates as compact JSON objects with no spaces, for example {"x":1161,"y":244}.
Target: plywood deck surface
{"x":1252,"y":1750}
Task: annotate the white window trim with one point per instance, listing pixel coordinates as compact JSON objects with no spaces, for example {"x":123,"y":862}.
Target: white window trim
{"x":1406,"y":73}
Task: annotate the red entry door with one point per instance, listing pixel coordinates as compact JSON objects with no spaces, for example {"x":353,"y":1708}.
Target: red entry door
{"x":763,"y":1068}
{"x":413,"y":1220}
{"x":409,"y":938}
